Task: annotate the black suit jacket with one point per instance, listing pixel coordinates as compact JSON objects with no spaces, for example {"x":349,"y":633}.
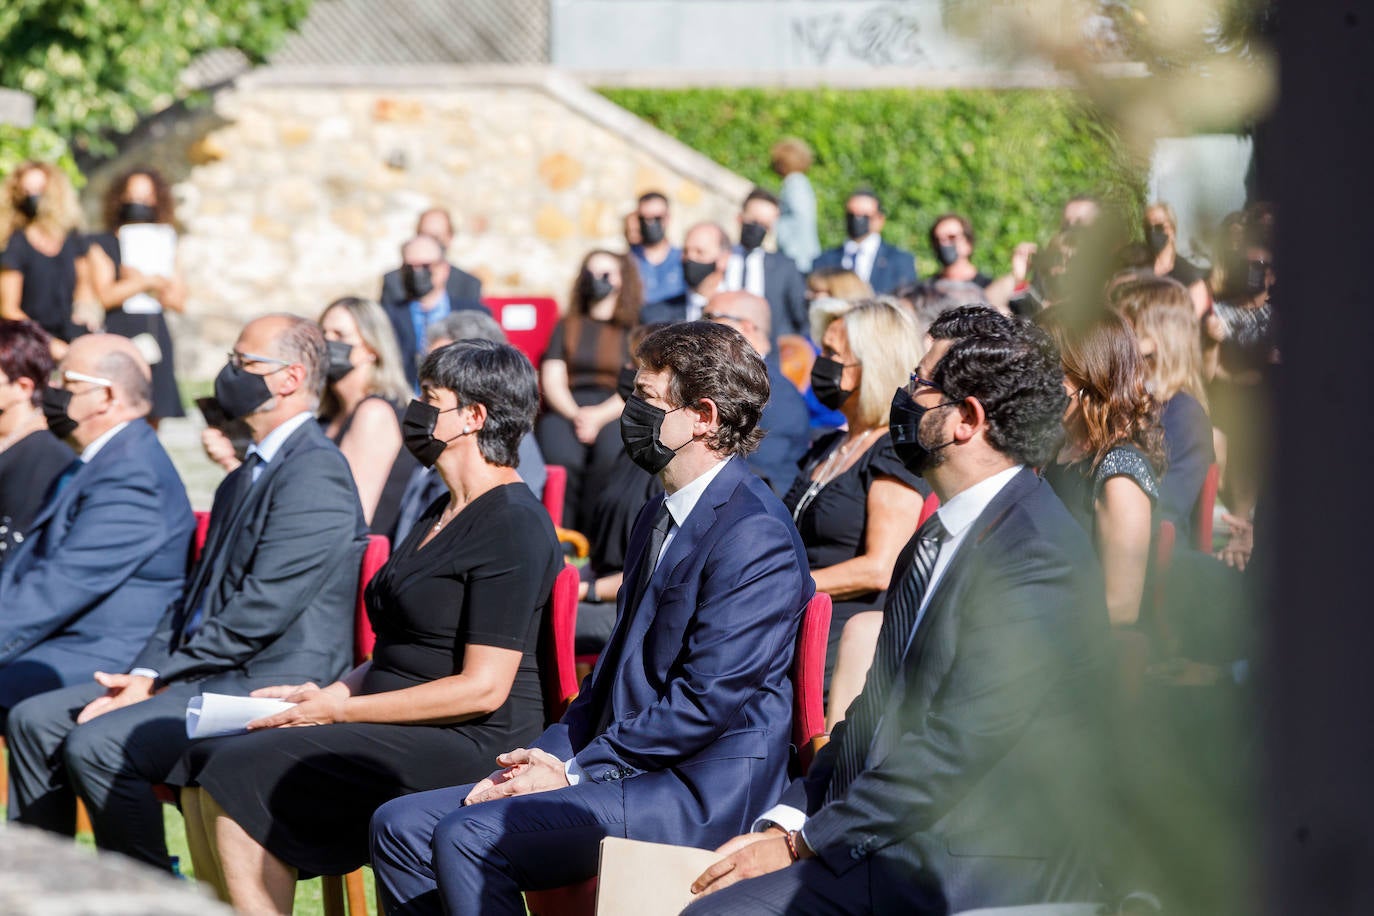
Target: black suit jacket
{"x":893,"y":268}
{"x":785,"y":291}
{"x":464,"y":292}
{"x":986,"y":772}
{"x":279,"y":575}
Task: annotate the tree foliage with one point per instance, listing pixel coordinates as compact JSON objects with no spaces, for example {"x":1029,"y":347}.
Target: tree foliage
{"x":96,"y":66}
{"x":1008,"y":159}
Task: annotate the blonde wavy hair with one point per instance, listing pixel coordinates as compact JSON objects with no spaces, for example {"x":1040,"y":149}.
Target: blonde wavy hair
{"x":58,"y":211}
{"x":1160,"y":310}
{"x":885,"y":342}
{"x":386,"y":378}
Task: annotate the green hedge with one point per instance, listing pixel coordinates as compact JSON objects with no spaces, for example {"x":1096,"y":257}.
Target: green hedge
{"x":1006,"y":158}
{"x":19,"y":144}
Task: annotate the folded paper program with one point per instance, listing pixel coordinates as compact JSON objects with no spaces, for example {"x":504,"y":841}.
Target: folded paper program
{"x":212,"y":714}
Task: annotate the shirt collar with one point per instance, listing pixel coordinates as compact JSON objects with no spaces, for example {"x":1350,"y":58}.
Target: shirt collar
{"x":869,"y":245}
{"x":681,"y":503}
{"x":963,"y":509}
{"x":90,"y":451}
{"x":267,"y":449}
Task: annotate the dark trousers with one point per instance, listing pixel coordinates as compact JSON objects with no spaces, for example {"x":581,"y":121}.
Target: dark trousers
{"x":807,"y":888}
{"x":589,"y":466}
{"x":112,"y":762}
{"x":433,"y":855}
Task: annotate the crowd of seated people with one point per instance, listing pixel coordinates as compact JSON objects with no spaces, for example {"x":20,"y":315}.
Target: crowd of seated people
{"x":979,"y":494}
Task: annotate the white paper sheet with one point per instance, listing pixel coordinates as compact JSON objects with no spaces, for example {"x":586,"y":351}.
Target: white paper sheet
{"x":647,"y":879}
{"x":151,"y":249}
{"x":212,"y":714}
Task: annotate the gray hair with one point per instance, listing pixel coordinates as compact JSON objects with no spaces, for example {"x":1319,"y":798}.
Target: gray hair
{"x":501,"y":379}
{"x":466,"y":324}
{"x":131,"y":379}
{"x":302,"y":341}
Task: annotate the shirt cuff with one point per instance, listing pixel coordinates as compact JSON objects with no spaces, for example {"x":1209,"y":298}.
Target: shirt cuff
{"x":144,"y":672}
{"x":573,"y":771}
{"x":784,"y":816}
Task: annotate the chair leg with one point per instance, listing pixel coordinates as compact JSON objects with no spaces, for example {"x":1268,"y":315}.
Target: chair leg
{"x":333,"y":888}
{"x":357,"y":893}
{"x":83,"y":818}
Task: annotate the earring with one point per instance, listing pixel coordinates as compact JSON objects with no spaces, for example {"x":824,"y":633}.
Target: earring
{"x":466,"y":430}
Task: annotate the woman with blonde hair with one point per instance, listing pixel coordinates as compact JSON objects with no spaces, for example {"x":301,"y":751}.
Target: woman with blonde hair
{"x":43,"y":269}
{"x":1161,"y":312}
{"x":1161,"y":235}
{"x":836,"y":283}
{"x":854,"y":502}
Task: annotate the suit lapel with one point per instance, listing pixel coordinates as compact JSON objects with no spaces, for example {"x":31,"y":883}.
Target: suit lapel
{"x":112,"y":450}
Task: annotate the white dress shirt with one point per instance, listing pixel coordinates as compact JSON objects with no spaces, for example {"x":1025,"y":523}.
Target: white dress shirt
{"x":680,"y":505}
{"x":957,"y":516}
{"x":744,"y":271}
{"x":859,"y":256}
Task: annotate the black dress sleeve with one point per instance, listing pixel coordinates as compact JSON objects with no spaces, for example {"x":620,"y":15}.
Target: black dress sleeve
{"x":881,"y":461}
{"x":556,"y":347}
{"x":1126,"y":461}
{"x":503,"y":596}
{"x":17,"y":252}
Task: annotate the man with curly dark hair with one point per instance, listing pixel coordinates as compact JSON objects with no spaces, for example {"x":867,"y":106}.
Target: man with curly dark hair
{"x":968,"y":772}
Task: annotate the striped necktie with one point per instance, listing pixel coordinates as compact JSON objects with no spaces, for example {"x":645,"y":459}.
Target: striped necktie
{"x":899,"y":616}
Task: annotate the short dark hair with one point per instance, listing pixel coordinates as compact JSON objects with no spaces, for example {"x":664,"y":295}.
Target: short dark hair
{"x":24,"y":353}
{"x":652,"y":195}
{"x":968,"y":321}
{"x":762,"y":194}
{"x":870,"y":194}
{"x":964,"y":225}
{"x":1016,"y":375}
{"x":501,"y":379}
{"x":709,"y":360}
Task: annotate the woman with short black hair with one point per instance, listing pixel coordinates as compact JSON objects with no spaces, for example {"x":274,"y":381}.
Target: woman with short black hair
{"x":31,"y":457}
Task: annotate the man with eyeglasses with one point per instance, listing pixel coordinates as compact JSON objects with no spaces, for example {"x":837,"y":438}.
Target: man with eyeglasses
{"x":970,"y":771}
{"x":786,"y":425}
{"x":107,"y":551}
{"x":271,"y":601}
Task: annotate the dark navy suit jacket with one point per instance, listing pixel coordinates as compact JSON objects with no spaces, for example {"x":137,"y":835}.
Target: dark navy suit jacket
{"x":986,"y":773}
{"x":701,"y":702}
{"x":892,"y":267}
{"x":787,"y":430}
{"x":103,"y":559}
{"x":464,"y":292}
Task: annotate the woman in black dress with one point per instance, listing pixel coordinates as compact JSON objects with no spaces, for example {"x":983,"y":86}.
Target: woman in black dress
{"x":43,"y":270}
{"x":854,"y":502}
{"x":452,"y":682}
{"x":138,"y":197}
{"x":31,"y":458}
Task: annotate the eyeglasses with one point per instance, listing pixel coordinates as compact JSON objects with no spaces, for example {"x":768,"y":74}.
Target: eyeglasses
{"x":916,"y":383}
{"x":239,"y":360}
{"x":61,"y":377}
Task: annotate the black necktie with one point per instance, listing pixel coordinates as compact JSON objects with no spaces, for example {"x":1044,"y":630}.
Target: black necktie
{"x":662,"y":522}
{"x":899,"y":617}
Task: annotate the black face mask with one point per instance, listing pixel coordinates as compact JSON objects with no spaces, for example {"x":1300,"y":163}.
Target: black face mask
{"x":137,"y":213}
{"x":29,"y":205}
{"x":240,"y":392}
{"x":640,"y":426}
{"x":751,"y":235}
{"x":417,"y":431}
{"x":694,"y":272}
{"x":625,"y":384}
{"x":595,"y":288}
{"x":904,"y":425}
{"x":947,"y":254}
{"x":1157,"y":237}
{"x":339,"y":364}
{"x":651,"y":230}
{"x":1256,"y":280}
{"x":55,"y":404}
{"x":418,"y":281}
{"x":856,"y":227}
{"x":825,"y":382}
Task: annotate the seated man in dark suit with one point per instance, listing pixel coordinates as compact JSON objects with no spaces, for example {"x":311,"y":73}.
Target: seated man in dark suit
{"x":686,"y":718}
{"x":107,"y":551}
{"x":766,"y":273}
{"x":426,"y":287}
{"x":884,"y":267}
{"x":970,"y":770}
{"x":785,"y":423}
{"x":705,"y":253}
{"x":270,"y":602}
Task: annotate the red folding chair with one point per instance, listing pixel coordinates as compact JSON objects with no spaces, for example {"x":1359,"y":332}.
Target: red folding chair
{"x":555,"y":491}
{"x":527,"y":320}
{"x":558,"y":670}
{"x":1206,"y":504}
{"x":202,"y":532}
{"x":928,"y":508}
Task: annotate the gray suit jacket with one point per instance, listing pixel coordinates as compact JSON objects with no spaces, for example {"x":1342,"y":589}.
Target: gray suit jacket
{"x":278,"y":577}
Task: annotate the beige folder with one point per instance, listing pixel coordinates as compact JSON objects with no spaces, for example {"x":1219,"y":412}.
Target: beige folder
{"x":647,"y":879}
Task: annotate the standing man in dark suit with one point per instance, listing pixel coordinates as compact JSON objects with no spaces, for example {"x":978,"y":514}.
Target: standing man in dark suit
{"x":884,"y":267}
{"x":705,"y":254}
{"x":968,"y":772}
{"x":766,"y":273}
{"x":270,"y":602}
{"x":426,"y":287}
{"x":785,"y":423}
{"x":108,"y":550}
{"x":687,"y":716}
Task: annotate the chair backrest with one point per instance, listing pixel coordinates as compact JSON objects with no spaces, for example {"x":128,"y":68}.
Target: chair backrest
{"x":808,"y":676}
{"x":374,"y":558}
{"x":202,"y":532}
{"x":557,"y":668}
{"x":928,"y":508}
{"x":527,"y":320}
{"x":555,"y":491}
{"x":1206,"y":503}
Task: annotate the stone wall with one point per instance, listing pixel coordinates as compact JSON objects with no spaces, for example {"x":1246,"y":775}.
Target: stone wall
{"x":298,"y":186}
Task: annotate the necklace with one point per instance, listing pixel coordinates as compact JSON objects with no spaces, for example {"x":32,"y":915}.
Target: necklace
{"x":829,"y":471}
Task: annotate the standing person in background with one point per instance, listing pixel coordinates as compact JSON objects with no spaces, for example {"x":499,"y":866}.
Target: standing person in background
{"x":43,"y":271}
{"x":134,"y":302}
{"x":578,"y":377}
{"x":882,"y":266}
{"x":1161,"y":235}
{"x":659,"y":263}
{"x":951,"y":241}
{"x":796,"y":228}
{"x":765,"y":273}
{"x":31,"y":457}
